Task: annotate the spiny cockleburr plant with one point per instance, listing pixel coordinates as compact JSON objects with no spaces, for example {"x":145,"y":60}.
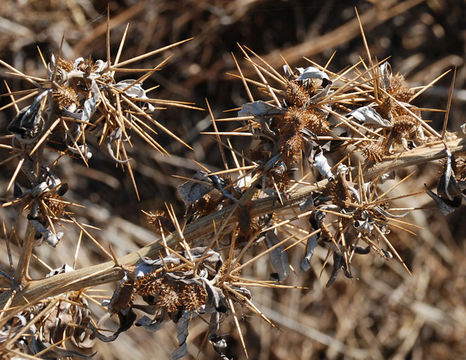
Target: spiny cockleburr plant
{"x":323,"y":145}
{"x":56,"y":327}
{"x":179,"y":286}
{"x":76,"y":98}
{"x":313,"y":117}
{"x":76,"y":101}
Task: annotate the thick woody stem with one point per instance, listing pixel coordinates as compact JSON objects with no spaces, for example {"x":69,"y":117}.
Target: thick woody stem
{"x":108,"y":272}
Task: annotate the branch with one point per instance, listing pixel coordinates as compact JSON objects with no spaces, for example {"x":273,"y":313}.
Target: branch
{"x":109,"y":271}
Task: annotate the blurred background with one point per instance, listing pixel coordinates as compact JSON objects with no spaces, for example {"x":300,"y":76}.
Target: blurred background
{"x":381,"y":313}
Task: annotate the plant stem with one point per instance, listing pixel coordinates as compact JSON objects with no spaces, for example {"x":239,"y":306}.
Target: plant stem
{"x":22,"y":270}
{"x":108,"y":272}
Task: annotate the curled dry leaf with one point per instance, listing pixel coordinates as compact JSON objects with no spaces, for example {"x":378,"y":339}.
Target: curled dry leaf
{"x":367,"y":115}
{"x":278,"y":256}
{"x":260,"y":109}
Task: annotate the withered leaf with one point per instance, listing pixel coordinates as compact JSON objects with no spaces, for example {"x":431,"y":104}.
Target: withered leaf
{"x":126,"y":319}
{"x":337,"y":265}
{"x":47,"y":235}
{"x":191,"y":191}
{"x":135,"y":91}
{"x":151,"y":324}
{"x":321,"y":164}
{"x":91,"y":103}
{"x":445,"y":206}
{"x":182,"y":328}
{"x":367,"y":115}
{"x":311,"y":72}
{"x":260,"y":108}
{"x":311,"y":245}
{"x":36,"y":346}
{"x":306,"y":204}
{"x":278,"y":256}
{"x":287,"y":71}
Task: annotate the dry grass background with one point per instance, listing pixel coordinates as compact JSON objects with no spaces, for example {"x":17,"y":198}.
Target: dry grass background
{"x":383,"y":312}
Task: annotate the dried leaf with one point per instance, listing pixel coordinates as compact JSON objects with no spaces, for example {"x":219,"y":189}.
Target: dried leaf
{"x":126,"y":319}
{"x":135,"y":91}
{"x":360,"y":250}
{"x":65,"y":268}
{"x":278,"y":256}
{"x":367,"y":115}
{"x":28,"y":124}
{"x":311,"y":245}
{"x":191,"y":191}
{"x":385,"y":213}
{"x":36,"y":346}
{"x":306,"y":204}
{"x":365,"y":224}
{"x":445,"y":206}
{"x":287,"y":71}
{"x":17,"y":191}
{"x":260,"y":108}
{"x":182,"y":328}
{"x":321,"y":164}
{"x":337,"y":265}
{"x":151,"y":324}
{"x":47,"y":235}
{"x":91,"y":103}
{"x":311,"y":72}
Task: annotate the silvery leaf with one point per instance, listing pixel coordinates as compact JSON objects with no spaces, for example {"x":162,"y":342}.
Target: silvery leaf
{"x":36,"y":345}
{"x":367,"y":115}
{"x":135,"y":91}
{"x":311,"y":72}
{"x":243,"y":291}
{"x":278,"y":256}
{"x":182,"y":328}
{"x":337,"y":265}
{"x":149,"y":324}
{"x":387,"y":176}
{"x":191,"y":191}
{"x":365,"y":224}
{"x":76,"y":63}
{"x":214,"y":295}
{"x":445,"y":206}
{"x":29,"y":123}
{"x":260,"y":108}
{"x":90,"y":104}
{"x":82,"y":149}
{"x":47,"y":235}
{"x":322,"y":93}
{"x":446,"y":186}
{"x":306,"y":204}
{"x":287,"y":71}
{"x":126,"y":319}
{"x":214,"y":324}
{"x":311,"y":245}
{"x":321,"y":164}
{"x":99,"y":66}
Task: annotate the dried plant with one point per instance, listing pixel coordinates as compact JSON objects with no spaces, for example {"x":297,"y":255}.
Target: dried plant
{"x":323,"y":146}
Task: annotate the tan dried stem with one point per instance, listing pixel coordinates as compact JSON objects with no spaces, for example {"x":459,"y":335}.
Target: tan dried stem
{"x":22,"y":269}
